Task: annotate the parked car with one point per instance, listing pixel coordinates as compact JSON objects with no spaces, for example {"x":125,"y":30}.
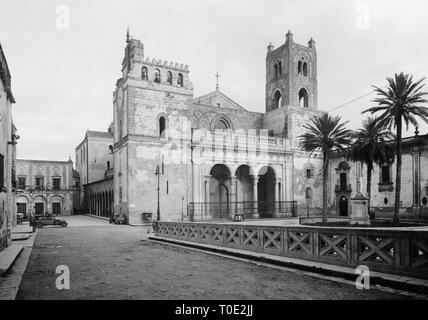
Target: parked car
{"x":42,"y":221}
{"x":119,"y":219}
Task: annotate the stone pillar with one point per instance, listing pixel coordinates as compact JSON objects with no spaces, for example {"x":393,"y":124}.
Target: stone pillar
{"x":276,"y":202}
{"x":359,"y":210}
{"x":233,"y":196}
{"x":255,"y":213}
{"x":207,"y":209}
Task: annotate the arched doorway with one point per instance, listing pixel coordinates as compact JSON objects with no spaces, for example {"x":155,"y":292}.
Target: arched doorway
{"x":220,"y":186}
{"x":343,"y":206}
{"x":266,"y":192}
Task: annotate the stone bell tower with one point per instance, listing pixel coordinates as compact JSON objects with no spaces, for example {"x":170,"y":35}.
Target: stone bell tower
{"x":291,"y":75}
{"x":291,"y":86}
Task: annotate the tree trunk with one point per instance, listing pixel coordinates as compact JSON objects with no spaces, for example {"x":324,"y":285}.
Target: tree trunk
{"x":325,"y":187}
{"x":369,"y":186}
{"x":398,"y":172}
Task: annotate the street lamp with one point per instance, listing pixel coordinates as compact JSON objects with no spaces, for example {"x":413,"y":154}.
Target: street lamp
{"x":158,"y":173}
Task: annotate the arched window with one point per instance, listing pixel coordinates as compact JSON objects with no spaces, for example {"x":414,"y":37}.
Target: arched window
{"x":279,"y":68}
{"x":303,"y":98}
{"x":180,"y":80}
{"x":169,"y":77}
{"x":108,"y":165}
{"x":144,"y":73}
{"x":162,"y":127}
{"x":305,"y":69}
{"x":308,"y":193}
{"x":275,"y":70}
{"x":299,"y":67}
{"x":157,"y":76}
{"x":221,"y":124}
{"x":277,"y":98}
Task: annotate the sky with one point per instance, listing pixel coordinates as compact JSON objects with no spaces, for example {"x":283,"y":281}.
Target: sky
{"x":64,"y":70}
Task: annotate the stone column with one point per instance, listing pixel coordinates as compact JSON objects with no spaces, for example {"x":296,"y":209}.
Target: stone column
{"x":207,"y":208}
{"x":255,"y":213}
{"x":233,"y":196}
{"x":276,"y":202}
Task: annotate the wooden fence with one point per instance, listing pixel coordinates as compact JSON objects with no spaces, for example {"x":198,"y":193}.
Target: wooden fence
{"x":402,"y":252}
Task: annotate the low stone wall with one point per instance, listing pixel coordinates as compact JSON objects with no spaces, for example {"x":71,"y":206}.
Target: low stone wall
{"x":402,"y":252}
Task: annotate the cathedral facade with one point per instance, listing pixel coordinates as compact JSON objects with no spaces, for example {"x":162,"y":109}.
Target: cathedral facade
{"x":207,"y":156}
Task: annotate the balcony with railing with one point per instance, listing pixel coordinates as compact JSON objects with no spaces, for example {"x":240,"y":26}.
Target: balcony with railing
{"x":345,"y":188}
{"x":42,"y":189}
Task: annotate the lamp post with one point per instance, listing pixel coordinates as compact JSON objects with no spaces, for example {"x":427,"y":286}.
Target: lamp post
{"x":158,"y":174}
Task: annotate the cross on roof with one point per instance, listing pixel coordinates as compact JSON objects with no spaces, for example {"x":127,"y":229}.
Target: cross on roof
{"x":217,"y":87}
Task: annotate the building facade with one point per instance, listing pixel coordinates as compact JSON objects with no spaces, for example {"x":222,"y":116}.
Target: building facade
{"x":7,"y":155}
{"x":174,"y":156}
{"x":45,"y":187}
{"x":94,"y":164}
{"x":350,"y":178}
{"x":211,"y":154}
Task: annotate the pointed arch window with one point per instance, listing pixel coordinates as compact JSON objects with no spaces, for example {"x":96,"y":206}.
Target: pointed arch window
{"x":169,"y":77}
{"x":277,"y":99}
{"x":303,"y":98}
{"x":162,"y":127}
{"x":302,"y":67}
{"x":157,"y":76}
{"x":180,"y":80}
{"x":222,"y":124}
{"x":144,"y":73}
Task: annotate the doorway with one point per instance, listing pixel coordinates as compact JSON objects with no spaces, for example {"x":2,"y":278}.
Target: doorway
{"x":39,"y":208}
{"x":56,"y":207}
{"x":343,"y":206}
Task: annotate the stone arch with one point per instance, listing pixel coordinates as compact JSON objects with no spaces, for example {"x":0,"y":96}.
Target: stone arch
{"x":277,"y":99}
{"x":162,"y":125}
{"x":144,"y":73}
{"x":157,"y":76}
{"x":220,"y":191}
{"x":40,"y":204}
{"x":169,"y":77}
{"x":180,"y":80}
{"x":23,"y":204}
{"x":303,"y":98}
{"x":266,"y":196}
{"x":244,"y":183}
{"x":55,"y":200}
{"x":221,"y":118}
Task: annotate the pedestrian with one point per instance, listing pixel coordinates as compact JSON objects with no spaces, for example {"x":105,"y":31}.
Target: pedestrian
{"x":33,"y":222}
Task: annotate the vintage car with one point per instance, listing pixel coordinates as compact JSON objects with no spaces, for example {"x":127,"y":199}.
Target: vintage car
{"x":119,"y":219}
{"x":42,"y":221}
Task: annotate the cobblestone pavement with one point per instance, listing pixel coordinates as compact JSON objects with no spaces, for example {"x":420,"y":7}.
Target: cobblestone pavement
{"x":117,"y":262}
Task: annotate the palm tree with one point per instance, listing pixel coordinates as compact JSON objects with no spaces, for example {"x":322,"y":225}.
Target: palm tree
{"x":401,"y":101}
{"x":370,"y":146}
{"x":325,"y":133}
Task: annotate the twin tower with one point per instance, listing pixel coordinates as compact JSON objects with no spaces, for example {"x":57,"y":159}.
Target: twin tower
{"x":291,"y":73}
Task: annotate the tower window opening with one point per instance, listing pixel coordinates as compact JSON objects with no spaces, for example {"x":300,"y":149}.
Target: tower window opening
{"x":180,"y":80}
{"x":277,"y":98}
{"x":144,"y":73}
{"x":157,"y":76}
{"x":277,"y":69}
{"x":169,"y":77}
{"x":162,"y":127}
{"x":305,"y":69}
{"x":299,"y":67}
{"x":303,"y":98}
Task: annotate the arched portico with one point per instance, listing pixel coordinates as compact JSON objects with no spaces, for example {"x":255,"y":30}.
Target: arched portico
{"x":267,"y":191}
{"x":219,"y":191}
